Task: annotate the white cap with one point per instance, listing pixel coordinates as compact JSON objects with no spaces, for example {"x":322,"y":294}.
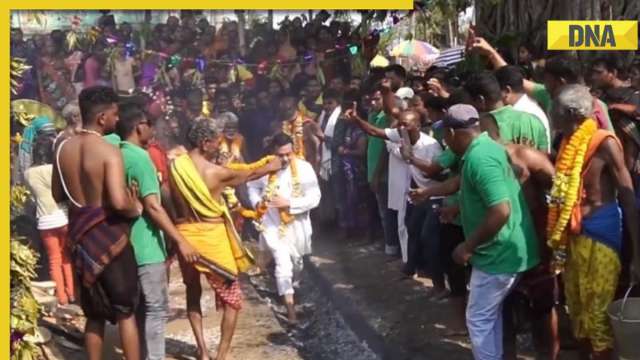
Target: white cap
{"x":405,"y":93}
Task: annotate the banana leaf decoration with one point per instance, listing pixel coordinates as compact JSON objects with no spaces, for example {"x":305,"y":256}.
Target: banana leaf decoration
{"x":72,"y":40}
{"x":17,"y":69}
{"x":25,"y":110}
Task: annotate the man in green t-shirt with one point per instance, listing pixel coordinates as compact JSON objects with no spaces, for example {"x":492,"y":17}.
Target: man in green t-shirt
{"x":147,"y":230}
{"x":500,"y":239}
{"x":377,"y":169}
{"x":558,"y":72}
{"x":503,"y":121}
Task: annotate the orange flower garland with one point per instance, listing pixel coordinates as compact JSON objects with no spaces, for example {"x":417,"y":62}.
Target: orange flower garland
{"x":235,"y":149}
{"x":295,"y":129}
{"x":566,"y":184}
{"x":269,"y":192}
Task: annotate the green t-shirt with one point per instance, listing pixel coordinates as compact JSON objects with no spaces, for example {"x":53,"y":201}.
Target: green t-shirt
{"x":146,"y":238}
{"x":519,"y":127}
{"x":542,"y":96}
{"x":449,"y":160}
{"x":375,"y":146}
{"x":112,"y":139}
{"x":487,"y":180}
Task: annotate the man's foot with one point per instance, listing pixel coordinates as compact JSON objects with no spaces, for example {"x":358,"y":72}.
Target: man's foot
{"x":440,"y":295}
{"x":204,"y":355}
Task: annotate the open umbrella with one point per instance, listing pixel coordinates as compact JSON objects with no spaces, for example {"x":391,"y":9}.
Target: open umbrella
{"x":26,"y":110}
{"x":418,"y":51}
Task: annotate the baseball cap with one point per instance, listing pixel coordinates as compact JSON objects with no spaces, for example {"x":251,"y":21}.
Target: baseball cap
{"x":460,"y":116}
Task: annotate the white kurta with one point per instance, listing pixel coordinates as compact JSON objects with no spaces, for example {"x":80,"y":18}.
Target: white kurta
{"x":288,"y":250}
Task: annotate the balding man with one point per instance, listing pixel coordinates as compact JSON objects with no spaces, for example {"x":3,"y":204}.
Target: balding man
{"x":417,"y":146}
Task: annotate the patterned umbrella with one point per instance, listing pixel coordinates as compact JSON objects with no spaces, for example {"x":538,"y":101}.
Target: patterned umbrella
{"x":415,"y":50}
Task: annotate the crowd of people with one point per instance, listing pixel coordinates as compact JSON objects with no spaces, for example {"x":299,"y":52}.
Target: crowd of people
{"x":512,"y":182}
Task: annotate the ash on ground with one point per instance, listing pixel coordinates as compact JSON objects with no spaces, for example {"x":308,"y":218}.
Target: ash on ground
{"x":322,"y":333}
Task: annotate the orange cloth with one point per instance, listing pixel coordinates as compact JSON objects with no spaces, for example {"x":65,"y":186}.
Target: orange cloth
{"x":597,"y":139}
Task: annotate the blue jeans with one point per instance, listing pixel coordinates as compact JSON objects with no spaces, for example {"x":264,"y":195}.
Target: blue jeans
{"x":153,"y":310}
{"x":484,"y":312}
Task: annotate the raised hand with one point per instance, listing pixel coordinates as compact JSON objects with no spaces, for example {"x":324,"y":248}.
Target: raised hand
{"x":481,"y":46}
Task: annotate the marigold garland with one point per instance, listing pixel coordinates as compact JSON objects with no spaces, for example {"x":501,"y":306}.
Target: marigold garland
{"x":295,"y":129}
{"x":564,"y":193}
{"x":234,"y":149}
{"x":272,"y":184}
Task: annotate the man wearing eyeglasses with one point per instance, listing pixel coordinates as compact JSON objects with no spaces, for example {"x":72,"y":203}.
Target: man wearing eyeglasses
{"x":135,"y":130}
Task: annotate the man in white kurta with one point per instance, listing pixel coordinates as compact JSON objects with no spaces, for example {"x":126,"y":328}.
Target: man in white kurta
{"x":288,"y":243}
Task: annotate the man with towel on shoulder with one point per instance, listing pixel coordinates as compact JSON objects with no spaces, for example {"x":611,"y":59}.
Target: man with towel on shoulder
{"x":203,"y":220}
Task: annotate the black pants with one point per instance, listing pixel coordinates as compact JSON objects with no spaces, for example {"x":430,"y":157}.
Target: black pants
{"x":450,"y":237}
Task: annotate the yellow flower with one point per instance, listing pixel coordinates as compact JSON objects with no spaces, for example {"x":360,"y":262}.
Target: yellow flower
{"x":564,"y":194}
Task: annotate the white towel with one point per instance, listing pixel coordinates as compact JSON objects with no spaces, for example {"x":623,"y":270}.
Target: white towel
{"x":325,"y":163}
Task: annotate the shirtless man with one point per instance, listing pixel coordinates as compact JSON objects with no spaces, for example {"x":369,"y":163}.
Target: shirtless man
{"x":202,"y":221}
{"x":89,"y":174}
{"x":594,"y":244}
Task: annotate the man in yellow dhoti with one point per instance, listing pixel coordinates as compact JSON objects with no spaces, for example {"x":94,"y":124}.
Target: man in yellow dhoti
{"x":591,"y":189}
{"x":203,"y":220}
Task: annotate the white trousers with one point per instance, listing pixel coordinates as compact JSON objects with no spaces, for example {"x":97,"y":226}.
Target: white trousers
{"x":287,"y":261}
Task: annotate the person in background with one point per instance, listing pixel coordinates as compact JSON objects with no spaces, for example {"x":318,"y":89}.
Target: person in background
{"x":40,"y":126}
{"x":232,"y":145}
{"x":328,"y":120}
{"x":558,"y":71}
{"x":502,"y":121}
{"x":71,"y":113}
{"x":377,"y":171}
{"x":52,"y":220}
{"x":511,"y":83}
{"x":607,"y":73}
{"x":124,"y":71}
{"x":54,"y":80}
{"x":351,"y":160}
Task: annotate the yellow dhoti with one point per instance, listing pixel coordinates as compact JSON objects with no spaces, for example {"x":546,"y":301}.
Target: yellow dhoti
{"x":591,"y":278}
{"x":216,"y":240}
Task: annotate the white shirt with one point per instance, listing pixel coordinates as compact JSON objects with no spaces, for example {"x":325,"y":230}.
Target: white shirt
{"x":399,"y":177}
{"x":426,"y":148}
{"x":528,"y":105}
{"x":300,"y":230}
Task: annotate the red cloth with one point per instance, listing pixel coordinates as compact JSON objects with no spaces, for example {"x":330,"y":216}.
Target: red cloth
{"x":159,"y":159}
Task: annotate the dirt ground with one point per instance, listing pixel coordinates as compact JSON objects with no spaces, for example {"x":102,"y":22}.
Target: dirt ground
{"x":258,"y":335}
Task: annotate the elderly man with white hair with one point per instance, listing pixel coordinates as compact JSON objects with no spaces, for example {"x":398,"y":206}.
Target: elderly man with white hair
{"x":71,"y":114}
{"x":591,"y":190}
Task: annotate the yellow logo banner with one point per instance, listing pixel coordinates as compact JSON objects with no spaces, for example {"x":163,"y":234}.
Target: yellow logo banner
{"x":592,"y":35}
